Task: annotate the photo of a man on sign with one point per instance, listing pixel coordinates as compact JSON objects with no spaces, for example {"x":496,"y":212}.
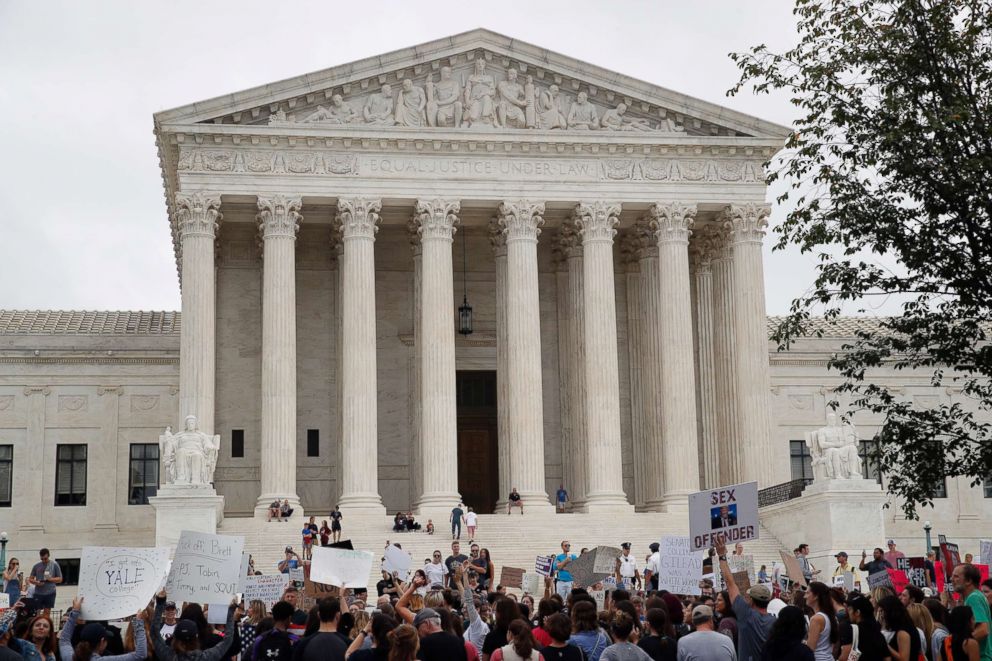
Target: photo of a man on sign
{"x":723,"y":517}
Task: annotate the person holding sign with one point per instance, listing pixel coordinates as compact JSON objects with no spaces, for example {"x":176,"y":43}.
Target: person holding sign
{"x":185,"y":642}
{"x":966,"y":579}
{"x":753,"y":620}
{"x":93,"y":639}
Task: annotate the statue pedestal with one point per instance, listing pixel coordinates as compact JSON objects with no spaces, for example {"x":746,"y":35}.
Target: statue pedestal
{"x":185,"y":507}
{"x":830,"y":516}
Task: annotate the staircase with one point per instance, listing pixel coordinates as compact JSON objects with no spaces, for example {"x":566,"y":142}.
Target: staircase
{"x":512,"y":540}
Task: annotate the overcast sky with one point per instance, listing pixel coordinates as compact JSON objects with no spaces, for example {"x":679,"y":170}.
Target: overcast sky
{"x":82,"y":218}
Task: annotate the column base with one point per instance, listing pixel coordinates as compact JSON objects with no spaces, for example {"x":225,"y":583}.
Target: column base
{"x":263,"y":502}
{"x":606,"y":502}
{"x":362,"y":503}
{"x":677,"y":502}
{"x":534,"y":501}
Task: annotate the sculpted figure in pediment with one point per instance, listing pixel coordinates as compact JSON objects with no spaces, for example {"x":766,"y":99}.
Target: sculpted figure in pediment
{"x":339,"y":113}
{"x":549,"y":109}
{"x":583,"y":114}
{"x":616,"y":120}
{"x":511,"y":102}
{"x":379,"y":107}
{"x":411,"y":105}
{"x":480,"y":90}
{"x":444,"y":101}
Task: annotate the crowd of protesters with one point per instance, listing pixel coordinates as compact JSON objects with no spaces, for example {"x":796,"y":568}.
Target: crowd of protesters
{"x":450,"y":610}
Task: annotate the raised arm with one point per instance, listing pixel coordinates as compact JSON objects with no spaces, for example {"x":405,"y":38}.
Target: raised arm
{"x":163,"y":651}
{"x":401,"y":605}
{"x":220,"y":650}
{"x":65,"y":638}
{"x":728,"y":576}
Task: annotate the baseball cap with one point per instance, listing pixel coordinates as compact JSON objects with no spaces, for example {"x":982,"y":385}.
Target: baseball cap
{"x":93,"y":633}
{"x":424,"y":615}
{"x":185,"y":631}
{"x":842,"y":554}
{"x":701,"y":613}
{"x":891,"y":541}
{"x":289,"y":549}
{"x":170,"y":605}
{"x":760,"y":593}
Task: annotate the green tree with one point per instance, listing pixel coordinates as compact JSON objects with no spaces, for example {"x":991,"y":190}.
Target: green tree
{"x":891,"y":159}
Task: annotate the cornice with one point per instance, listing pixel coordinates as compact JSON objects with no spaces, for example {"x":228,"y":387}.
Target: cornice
{"x":84,"y":360}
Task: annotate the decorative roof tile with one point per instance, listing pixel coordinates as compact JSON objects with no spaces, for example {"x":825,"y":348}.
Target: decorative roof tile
{"x":88,"y":322}
{"x":839,"y":327}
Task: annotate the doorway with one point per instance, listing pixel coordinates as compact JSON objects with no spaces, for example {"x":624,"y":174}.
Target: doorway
{"x":478,"y":457}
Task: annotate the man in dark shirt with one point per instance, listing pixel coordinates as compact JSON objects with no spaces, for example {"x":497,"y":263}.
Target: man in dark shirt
{"x":452,"y":561}
{"x":326,"y":644}
{"x":386,"y":585}
{"x":877,"y":564}
{"x":435,"y":644}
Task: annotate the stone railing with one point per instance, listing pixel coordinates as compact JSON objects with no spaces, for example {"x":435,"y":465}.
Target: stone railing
{"x":782,"y":492}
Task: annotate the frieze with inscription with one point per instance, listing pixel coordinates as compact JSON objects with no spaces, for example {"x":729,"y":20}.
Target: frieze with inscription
{"x":309,"y":162}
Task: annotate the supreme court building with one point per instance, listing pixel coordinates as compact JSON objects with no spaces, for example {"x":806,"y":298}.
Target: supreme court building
{"x":606,"y":233}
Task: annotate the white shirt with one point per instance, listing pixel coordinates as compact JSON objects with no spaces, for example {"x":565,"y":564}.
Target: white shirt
{"x":435,"y":573}
{"x":471,"y":518}
{"x":628,"y":566}
{"x":654,"y":563}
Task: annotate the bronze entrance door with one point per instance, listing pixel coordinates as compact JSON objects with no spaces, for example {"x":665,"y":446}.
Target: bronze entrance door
{"x":478,"y":463}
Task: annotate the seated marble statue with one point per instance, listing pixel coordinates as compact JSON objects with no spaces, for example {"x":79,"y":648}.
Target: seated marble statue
{"x":549,"y":112}
{"x":379,"y":107}
{"x":444,"y":101}
{"x":339,"y":113}
{"x":616,"y":120}
{"x":512,"y":102}
{"x":834,"y":451}
{"x":410,"y":105}
{"x":583,"y":115}
{"x":189,"y":457}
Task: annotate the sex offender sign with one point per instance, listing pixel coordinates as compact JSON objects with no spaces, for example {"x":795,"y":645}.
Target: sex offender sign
{"x":205,"y":567}
{"x":117,"y":582}
{"x":730,"y":513}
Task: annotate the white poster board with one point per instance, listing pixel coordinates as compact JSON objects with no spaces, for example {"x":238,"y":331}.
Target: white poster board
{"x":118,"y":582}
{"x":737,"y":563}
{"x":343,"y":568}
{"x":600,"y":597}
{"x":397,"y":561}
{"x":730,"y":513}
{"x":205,"y":567}
{"x":268,"y":589}
{"x":533,"y":584}
{"x":217,"y":613}
{"x":681,"y":568}
{"x":985,"y":552}
{"x":4,"y":601}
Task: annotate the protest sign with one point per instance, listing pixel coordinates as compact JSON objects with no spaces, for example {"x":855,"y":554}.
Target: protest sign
{"x":681,"y":568}
{"x":880,"y":579}
{"x":268,"y":589}
{"x":296,"y":576}
{"x":205,"y":566}
{"x":899,"y":579}
{"x":593,"y":565}
{"x":343,"y":568}
{"x":314,"y":591}
{"x":742,"y":580}
{"x":605,"y":560}
{"x":792,"y":568}
{"x":737,"y":564}
{"x":728,"y":513}
{"x":600,"y":597}
{"x":511,"y":577}
{"x":243,"y":571}
{"x":4,"y":601}
{"x":949,"y":556}
{"x":902,"y":564}
{"x":216,"y":613}
{"x":985,"y":551}
{"x":544,"y":565}
{"x":533,"y":583}
{"x":397,"y":561}
{"x":117,"y":582}
{"x":917,"y":572}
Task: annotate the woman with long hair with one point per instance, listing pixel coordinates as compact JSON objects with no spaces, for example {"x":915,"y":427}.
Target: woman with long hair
{"x":939,"y":616}
{"x":130,"y":641}
{"x":248,"y":626}
{"x":823,"y":623}
{"x":41,"y":634}
{"x":520,"y":644}
{"x":13,"y":579}
{"x":898,"y":628}
{"x":621,"y":627}
{"x":586,"y":634}
{"x":93,"y":639}
{"x":485,"y":578}
{"x":545,"y":609}
{"x":506,"y":611}
{"x":960,"y":644}
{"x":870,"y":641}
{"x":785,"y":640}
{"x":403,"y":643}
{"x":923,"y":622}
{"x":727,"y":622}
{"x":377,"y":630}
{"x":204,"y":631}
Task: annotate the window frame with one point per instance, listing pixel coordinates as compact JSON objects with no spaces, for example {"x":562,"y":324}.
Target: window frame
{"x":9,"y":462}
{"x":145,"y":485}
{"x":807,"y":460}
{"x":237,"y":444}
{"x":865,"y":448}
{"x":313,"y":443}
{"x":72,"y":495}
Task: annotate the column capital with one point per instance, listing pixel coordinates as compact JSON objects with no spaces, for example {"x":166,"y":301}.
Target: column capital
{"x":706,"y":247}
{"x":521,"y":219}
{"x":745,"y":223}
{"x":279,"y":216}
{"x":644,"y":238}
{"x":413,"y":235}
{"x":437,"y":218}
{"x":567,"y":243}
{"x":597,"y":221}
{"x":630,"y":252}
{"x":358,"y":216}
{"x":497,"y":239}
{"x":198,"y":213}
{"x":672,"y":221}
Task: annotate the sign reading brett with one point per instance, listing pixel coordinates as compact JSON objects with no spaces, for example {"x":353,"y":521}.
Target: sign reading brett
{"x":730,"y":513}
{"x":205,"y":567}
{"x":117,"y":582}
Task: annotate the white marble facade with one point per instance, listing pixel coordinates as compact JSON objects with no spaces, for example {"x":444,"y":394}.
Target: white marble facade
{"x":612,"y":232}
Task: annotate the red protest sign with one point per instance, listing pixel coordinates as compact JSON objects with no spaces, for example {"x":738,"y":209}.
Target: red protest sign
{"x":899,"y":579}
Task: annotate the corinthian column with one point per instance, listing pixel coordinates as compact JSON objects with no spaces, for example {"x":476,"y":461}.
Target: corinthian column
{"x":278,"y":222}
{"x":198,"y":215}
{"x":703,"y":252}
{"x":724,"y":364}
{"x":576,"y":448}
{"x":648,"y":448}
{"x":416,"y":463}
{"x":672,"y":222}
{"x":439,"y":422}
{"x":746,"y":224}
{"x":359,"y":219}
{"x":498,"y":241}
{"x":597,"y":223}
{"x":521,"y":222}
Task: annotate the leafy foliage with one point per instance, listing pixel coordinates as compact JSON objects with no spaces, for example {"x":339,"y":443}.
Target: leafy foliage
{"x":891,"y":159}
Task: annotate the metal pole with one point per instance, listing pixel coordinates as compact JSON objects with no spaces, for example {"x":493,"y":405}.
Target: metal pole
{"x":926,"y":529}
{"x":3,"y":551}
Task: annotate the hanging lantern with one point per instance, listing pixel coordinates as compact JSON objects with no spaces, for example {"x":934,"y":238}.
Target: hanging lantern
{"x":464,"y":310}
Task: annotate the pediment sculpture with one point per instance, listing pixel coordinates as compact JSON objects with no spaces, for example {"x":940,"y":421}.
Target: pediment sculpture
{"x":189,"y":458}
{"x":485,"y":97}
{"x":834,"y":451}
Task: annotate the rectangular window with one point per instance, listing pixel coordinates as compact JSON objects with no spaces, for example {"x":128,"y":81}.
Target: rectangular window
{"x":800,"y":461}
{"x":869,"y":465}
{"x":6,"y":474}
{"x":143,"y":474}
{"x":70,"y":475}
{"x":988,"y":487}
{"x":237,"y":443}
{"x":70,"y":570}
{"x":941,"y":491}
{"x":313,"y":442}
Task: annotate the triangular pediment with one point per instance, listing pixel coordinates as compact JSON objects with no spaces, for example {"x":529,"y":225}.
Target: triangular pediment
{"x":475,"y":80}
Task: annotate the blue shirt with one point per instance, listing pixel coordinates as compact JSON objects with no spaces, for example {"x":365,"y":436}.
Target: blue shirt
{"x":563,"y":574}
{"x":562,"y":495}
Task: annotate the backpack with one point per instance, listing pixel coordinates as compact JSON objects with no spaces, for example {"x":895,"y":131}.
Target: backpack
{"x":273,"y":645}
